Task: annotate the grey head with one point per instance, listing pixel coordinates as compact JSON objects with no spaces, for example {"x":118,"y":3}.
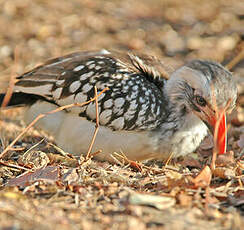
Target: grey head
{"x":202,"y":83}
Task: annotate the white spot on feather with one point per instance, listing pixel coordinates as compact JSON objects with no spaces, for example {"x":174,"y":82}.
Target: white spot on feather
{"x":135,"y":87}
{"x":78,"y":68}
{"x":91,"y":66}
{"x":80,"y":97}
{"x":97,"y":67}
{"x":108,"y":104}
{"x":74,"y":86}
{"x":67,"y":100}
{"x":105,"y":116}
{"x":103,"y":51}
{"x":118,"y":123}
{"x":133,"y":105}
{"x":57,"y":93}
{"x":91,"y":110}
{"x":89,"y":63}
{"x":129,"y":115}
{"x":86,"y":75}
{"x":86,"y":88}
{"x":141,"y":100}
{"x":106,"y":74}
{"x":60,"y":82}
{"x":119,"y":102}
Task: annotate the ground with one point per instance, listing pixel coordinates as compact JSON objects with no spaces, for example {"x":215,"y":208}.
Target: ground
{"x":44,"y":188}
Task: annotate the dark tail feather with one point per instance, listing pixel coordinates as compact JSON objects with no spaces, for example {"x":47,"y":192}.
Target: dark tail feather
{"x":20,"y":99}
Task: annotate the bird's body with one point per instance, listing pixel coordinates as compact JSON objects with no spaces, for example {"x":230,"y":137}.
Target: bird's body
{"x":143,"y":114}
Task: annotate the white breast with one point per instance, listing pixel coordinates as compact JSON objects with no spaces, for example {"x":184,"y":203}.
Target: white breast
{"x":185,"y":140}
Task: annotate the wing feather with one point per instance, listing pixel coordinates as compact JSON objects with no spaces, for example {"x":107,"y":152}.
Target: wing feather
{"x":134,"y":101}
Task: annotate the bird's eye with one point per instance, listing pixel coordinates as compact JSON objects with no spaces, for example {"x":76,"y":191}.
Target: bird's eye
{"x":200,"y":100}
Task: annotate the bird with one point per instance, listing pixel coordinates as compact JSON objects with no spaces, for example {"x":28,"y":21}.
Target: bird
{"x":146,"y":113}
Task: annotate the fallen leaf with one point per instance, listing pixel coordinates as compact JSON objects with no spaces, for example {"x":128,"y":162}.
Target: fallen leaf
{"x":49,"y":173}
{"x":190,"y":162}
{"x":204,"y":177}
{"x":224,"y":173}
{"x":226,"y":159}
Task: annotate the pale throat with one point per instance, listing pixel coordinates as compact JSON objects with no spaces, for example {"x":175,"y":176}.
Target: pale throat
{"x":181,"y":135}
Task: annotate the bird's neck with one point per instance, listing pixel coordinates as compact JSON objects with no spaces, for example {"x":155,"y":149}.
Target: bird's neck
{"x":180,"y":133}
{"x":177,"y":115}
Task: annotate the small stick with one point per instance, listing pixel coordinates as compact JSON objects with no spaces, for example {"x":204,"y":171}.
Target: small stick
{"x":43,"y":115}
{"x":168,"y":160}
{"x":96,"y":127}
{"x":10,"y":89}
{"x":7,"y":164}
{"x":236,"y":59}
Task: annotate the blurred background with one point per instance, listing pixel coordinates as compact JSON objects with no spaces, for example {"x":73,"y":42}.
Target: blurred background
{"x":174,"y":30}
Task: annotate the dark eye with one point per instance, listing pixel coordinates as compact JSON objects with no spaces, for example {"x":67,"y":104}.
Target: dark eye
{"x":200,"y":100}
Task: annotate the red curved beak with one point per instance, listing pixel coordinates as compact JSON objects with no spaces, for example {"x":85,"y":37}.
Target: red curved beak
{"x":216,"y":122}
{"x":220,"y":132}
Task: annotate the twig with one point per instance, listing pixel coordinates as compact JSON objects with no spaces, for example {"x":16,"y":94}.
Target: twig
{"x":32,"y":147}
{"x":96,"y":127}
{"x":10,"y":89}
{"x":61,"y":151}
{"x":43,"y":115}
{"x":168,"y":159}
{"x":7,"y":164}
{"x":236,"y":59}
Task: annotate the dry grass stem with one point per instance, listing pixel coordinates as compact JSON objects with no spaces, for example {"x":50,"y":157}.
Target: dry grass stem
{"x":9,"y":92}
{"x":236,"y":59}
{"x":168,"y":160}
{"x":43,"y":115}
{"x":7,"y":164}
{"x":96,"y":126}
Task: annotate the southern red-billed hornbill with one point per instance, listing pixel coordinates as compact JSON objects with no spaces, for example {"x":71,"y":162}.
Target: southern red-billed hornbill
{"x":143,"y":114}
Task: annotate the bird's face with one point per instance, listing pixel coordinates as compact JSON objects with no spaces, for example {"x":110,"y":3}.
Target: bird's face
{"x":206,"y":89}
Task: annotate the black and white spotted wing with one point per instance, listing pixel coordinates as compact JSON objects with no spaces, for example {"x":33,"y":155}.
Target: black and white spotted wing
{"x":134,"y":101}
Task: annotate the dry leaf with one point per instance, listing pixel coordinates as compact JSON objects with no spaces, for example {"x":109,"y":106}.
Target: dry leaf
{"x":50,"y":173}
{"x":204,"y":177}
{"x":226,"y":159}
{"x":190,"y":162}
{"x":224,"y":173}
